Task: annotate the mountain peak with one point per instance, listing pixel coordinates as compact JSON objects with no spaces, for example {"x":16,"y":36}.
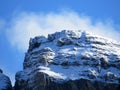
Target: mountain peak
{"x":5,"y":83}
{"x":70,"y":55}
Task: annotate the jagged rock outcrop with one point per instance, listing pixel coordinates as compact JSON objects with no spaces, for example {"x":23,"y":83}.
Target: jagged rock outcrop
{"x":5,"y":83}
{"x":70,"y":60}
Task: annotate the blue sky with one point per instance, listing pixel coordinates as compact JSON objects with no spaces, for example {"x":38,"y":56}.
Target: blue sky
{"x":22,"y":19}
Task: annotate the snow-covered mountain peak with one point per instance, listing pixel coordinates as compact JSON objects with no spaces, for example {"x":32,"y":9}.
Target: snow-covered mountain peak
{"x":72,"y":55}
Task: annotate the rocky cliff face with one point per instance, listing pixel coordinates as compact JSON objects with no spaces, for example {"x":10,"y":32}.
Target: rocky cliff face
{"x":70,"y":60}
{"x":5,"y":83}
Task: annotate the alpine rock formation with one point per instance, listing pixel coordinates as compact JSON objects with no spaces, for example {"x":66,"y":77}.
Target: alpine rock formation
{"x":5,"y":83}
{"x":70,"y":60}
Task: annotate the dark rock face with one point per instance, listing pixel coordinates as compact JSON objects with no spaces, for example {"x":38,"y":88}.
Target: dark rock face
{"x":5,"y":83}
{"x":1,"y":71}
{"x":42,"y":82}
{"x":69,"y":60}
{"x":81,"y":84}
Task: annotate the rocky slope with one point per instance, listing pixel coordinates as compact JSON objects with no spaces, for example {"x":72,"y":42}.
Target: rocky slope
{"x":5,"y":83}
{"x":70,"y":60}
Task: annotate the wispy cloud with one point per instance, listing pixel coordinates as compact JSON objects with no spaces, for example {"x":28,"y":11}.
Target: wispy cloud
{"x":27,"y":25}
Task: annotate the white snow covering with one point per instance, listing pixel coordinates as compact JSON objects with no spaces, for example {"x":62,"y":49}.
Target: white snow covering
{"x":88,"y":56}
{"x":51,"y":73}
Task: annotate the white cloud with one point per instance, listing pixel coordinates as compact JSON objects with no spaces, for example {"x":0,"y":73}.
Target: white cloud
{"x":26,"y":25}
